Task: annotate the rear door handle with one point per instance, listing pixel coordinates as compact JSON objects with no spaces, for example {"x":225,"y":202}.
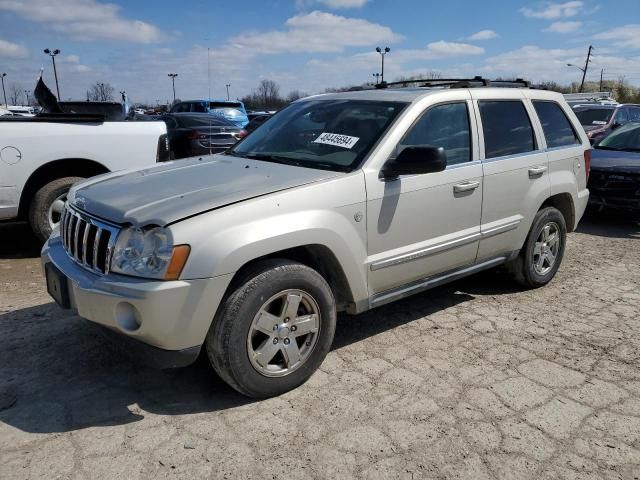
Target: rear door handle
{"x":537,"y":171}
{"x":465,"y":187}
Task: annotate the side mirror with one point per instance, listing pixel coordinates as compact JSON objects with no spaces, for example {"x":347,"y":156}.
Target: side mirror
{"x":615,"y":125}
{"x":415,"y":160}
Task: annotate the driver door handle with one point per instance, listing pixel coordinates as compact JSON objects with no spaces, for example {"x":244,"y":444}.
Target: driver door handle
{"x":465,"y":187}
{"x":537,"y":171}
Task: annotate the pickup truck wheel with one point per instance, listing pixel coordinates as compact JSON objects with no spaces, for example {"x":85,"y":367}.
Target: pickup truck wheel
{"x":47,"y":204}
{"x":543,"y":250}
{"x":274,"y":330}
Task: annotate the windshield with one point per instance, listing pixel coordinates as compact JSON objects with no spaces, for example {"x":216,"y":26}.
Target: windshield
{"x":328,"y":134}
{"x":594,"y":116}
{"x":626,"y":138}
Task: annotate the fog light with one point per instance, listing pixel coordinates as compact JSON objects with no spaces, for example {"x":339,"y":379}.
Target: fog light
{"x":127,"y":317}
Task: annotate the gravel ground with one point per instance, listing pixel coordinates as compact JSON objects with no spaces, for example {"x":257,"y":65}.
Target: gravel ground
{"x":475,"y":380}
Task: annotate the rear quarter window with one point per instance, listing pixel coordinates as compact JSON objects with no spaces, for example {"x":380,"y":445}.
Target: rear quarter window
{"x":507,"y":128}
{"x":555,"y":124}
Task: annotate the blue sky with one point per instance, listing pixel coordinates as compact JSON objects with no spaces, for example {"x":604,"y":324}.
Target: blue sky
{"x":308,"y":44}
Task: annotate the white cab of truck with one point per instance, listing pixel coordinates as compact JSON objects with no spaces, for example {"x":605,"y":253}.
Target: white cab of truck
{"x":41,"y":157}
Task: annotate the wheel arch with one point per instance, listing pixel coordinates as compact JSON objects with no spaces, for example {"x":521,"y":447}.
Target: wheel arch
{"x":315,"y":256}
{"x":564,"y":203}
{"x":65,"y":167}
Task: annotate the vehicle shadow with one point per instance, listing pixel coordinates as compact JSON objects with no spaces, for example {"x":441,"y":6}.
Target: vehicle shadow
{"x":609,"y":224}
{"x":18,"y":241}
{"x":66,"y":376}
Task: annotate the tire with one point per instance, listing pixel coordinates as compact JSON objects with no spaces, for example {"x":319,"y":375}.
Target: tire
{"x":239,"y":346}
{"x":42,"y":201}
{"x":528,"y":269}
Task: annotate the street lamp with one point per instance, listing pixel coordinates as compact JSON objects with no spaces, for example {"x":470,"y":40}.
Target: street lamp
{"x":382,"y":54}
{"x":173,"y":83}
{"x":4,"y":93}
{"x":228,"y":85}
{"x":377,"y":75}
{"x":26,"y":92}
{"x":53,"y":54}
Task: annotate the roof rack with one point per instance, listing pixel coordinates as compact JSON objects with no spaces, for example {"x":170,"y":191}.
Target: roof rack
{"x":477,"y":81}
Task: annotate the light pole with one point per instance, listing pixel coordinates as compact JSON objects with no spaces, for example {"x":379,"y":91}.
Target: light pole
{"x":377,"y":75}
{"x":382,"y":54}
{"x":173,"y":83}
{"x":53,"y":54}
{"x":228,"y":85}
{"x":26,"y":92}
{"x":4,"y":93}
{"x":579,"y":68}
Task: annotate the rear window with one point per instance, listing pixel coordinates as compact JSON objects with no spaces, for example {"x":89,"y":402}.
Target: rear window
{"x":555,"y":124}
{"x":507,"y":128}
{"x":594,"y":116}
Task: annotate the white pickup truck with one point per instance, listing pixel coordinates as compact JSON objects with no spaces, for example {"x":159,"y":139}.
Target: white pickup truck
{"x":41,"y":157}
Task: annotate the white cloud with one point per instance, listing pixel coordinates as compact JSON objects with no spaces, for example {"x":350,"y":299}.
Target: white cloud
{"x":627,"y":36}
{"x":315,"y":32}
{"x":84,"y":19}
{"x":12,"y":50}
{"x":72,"y":59}
{"x":483,"y":35}
{"x":563,"y":27}
{"x":552,"y":11}
{"x":334,"y":4}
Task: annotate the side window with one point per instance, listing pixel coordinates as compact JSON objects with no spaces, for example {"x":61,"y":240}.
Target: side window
{"x":507,"y":128}
{"x":444,"y":126}
{"x":621,"y":116}
{"x":182,"y":107}
{"x":634,"y":114}
{"x":198,"y":107}
{"x":555,"y":124}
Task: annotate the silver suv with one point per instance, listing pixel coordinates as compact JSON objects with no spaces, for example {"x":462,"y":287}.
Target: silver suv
{"x":340,"y":202}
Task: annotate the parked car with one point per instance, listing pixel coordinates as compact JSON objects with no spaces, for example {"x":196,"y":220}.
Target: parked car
{"x":192,"y":134}
{"x":614,"y":181}
{"x":256,"y":121}
{"x":600,"y":120}
{"x":233,"y":111}
{"x":340,"y":202}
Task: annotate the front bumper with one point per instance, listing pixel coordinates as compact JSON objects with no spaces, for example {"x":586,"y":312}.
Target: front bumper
{"x":167,"y":320}
{"x":614,"y":190}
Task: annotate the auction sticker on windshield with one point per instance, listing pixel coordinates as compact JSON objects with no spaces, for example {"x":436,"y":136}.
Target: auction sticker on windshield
{"x":337,"y":140}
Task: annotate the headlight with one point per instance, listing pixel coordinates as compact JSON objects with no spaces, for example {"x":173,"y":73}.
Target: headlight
{"x":148,"y":253}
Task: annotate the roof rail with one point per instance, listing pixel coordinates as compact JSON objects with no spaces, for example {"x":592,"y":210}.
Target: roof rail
{"x":476,"y":81}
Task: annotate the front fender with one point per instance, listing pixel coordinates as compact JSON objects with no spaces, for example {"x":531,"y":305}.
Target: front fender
{"x":224,"y":240}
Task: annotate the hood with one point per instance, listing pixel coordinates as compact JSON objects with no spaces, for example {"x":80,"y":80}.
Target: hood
{"x":611,"y":160}
{"x":172,"y":191}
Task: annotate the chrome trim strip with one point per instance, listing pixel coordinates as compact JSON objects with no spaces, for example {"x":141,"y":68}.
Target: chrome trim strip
{"x":515,"y":155}
{"x":84,"y":243}
{"x":76,"y":235}
{"x":425,"y":252}
{"x":430,"y":282}
{"x":491,"y":232}
{"x":96,"y":242}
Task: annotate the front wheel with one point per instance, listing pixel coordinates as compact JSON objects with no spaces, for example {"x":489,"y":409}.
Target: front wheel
{"x":47,"y":205}
{"x":274,"y":330}
{"x":543,"y":250}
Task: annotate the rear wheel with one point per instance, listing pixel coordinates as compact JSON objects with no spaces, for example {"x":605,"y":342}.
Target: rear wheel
{"x":45,"y":210}
{"x":274,"y":330}
{"x":543,"y":250}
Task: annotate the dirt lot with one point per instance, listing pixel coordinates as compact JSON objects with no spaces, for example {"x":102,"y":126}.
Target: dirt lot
{"x":472,"y":380}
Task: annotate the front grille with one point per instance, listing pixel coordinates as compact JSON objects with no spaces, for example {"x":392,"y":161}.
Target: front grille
{"x":87,"y":241}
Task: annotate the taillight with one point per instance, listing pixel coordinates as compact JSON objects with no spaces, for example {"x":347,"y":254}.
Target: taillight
{"x":164,"y":150}
{"x":587,"y":162}
{"x":193,"y":135}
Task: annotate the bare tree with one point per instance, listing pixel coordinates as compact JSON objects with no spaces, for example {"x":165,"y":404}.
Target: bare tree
{"x":100,"y":92}
{"x":295,"y":95}
{"x":268,"y":92}
{"x":15,"y":94}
